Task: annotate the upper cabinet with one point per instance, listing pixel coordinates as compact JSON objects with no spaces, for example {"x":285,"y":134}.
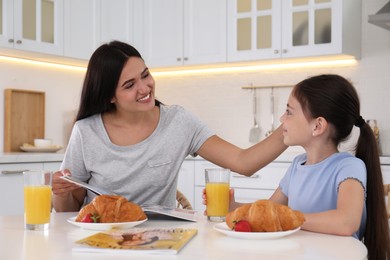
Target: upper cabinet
{"x":32,"y":25}
{"x":80,"y":28}
{"x":270,"y":29}
{"x":90,"y":23}
{"x":183,"y":32}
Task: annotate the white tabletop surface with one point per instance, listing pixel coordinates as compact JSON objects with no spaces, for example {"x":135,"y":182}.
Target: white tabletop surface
{"x":57,"y":242}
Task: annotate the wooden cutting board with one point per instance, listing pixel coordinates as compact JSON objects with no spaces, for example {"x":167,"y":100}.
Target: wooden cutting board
{"x":24,"y":118}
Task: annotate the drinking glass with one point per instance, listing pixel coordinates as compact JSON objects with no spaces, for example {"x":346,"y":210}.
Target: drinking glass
{"x":37,"y":199}
{"x":217,"y":191}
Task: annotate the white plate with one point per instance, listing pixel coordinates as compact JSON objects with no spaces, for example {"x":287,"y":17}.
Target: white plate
{"x":224,"y":229}
{"x":105,"y":226}
{"x":33,"y":149}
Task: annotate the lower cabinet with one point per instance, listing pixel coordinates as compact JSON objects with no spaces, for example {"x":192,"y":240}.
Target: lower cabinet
{"x":11,"y":184}
{"x":386,"y":173}
{"x":186,"y":180}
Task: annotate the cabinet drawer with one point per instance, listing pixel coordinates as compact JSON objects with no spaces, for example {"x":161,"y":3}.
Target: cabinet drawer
{"x":241,"y":195}
{"x":11,"y":186}
{"x":18,"y":168}
{"x":267,"y":178}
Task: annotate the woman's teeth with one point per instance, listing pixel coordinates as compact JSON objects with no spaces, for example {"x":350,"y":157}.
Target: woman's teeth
{"x":144,"y":98}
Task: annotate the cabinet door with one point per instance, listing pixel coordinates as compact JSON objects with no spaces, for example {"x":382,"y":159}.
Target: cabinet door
{"x":52,"y":166}
{"x":205,"y":31}
{"x":186,"y":180}
{"x":38,"y":26}
{"x":7,"y":23}
{"x":386,"y":173}
{"x":80,"y":28}
{"x":116,"y":21}
{"x":11,"y":186}
{"x":241,"y":195}
{"x":163,"y":33}
{"x":254,"y":29}
{"x":311,"y":27}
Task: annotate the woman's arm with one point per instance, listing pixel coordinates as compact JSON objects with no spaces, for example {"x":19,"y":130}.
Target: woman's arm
{"x":67,"y":196}
{"x":345,"y":220}
{"x":243,"y":161}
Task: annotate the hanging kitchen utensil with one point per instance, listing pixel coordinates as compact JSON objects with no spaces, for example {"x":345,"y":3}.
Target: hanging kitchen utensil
{"x":269,"y":132}
{"x":254,"y":135}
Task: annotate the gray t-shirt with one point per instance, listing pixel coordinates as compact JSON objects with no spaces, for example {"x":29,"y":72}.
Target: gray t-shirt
{"x":146,"y":172}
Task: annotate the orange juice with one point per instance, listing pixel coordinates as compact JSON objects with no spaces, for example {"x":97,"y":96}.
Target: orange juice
{"x":37,"y":204}
{"x":217,"y":199}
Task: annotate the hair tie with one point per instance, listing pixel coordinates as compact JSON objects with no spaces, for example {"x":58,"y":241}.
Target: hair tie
{"x":360,"y":122}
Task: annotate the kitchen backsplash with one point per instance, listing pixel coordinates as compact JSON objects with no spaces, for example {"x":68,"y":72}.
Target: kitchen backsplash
{"x":217,"y":98}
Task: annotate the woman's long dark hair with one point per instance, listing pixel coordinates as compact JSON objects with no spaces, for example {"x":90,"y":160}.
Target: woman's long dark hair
{"x":102,"y":77}
{"x":335,"y":99}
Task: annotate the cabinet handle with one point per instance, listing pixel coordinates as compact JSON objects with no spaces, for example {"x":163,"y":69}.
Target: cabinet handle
{"x":276,"y":51}
{"x":185,"y":58}
{"x":11,"y":40}
{"x":284,"y":51}
{"x":19,"y":42}
{"x":178,"y":59}
{"x":14,"y":172}
{"x":256,"y":176}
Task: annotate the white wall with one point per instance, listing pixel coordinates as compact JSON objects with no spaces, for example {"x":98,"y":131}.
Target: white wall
{"x":218,"y":98}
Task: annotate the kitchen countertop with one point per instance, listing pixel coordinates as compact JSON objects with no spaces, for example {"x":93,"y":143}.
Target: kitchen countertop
{"x":57,"y":243}
{"x":24,"y":157}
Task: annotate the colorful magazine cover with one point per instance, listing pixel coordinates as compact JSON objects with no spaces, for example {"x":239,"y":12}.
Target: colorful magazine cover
{"x":137,"y":240}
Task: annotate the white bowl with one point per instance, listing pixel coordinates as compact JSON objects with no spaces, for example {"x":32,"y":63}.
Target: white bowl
{"x":43,"y":143}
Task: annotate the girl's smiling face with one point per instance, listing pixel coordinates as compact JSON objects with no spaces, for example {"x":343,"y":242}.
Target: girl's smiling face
{"x":135,"y":89}
{"x":297,"y":129}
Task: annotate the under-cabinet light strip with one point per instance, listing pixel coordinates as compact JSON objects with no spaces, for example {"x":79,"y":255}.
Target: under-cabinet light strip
{"x":42,"y":63}
{"x":260,"y":67}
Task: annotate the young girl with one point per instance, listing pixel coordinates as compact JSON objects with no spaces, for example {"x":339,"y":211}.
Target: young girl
{"x":339,"y":193}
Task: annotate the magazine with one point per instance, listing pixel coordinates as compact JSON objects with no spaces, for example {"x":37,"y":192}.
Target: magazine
{"x":158,"y":211}
{"x":136,"y":241}
{"x":96,"y":190}
{"x":153,"y":211}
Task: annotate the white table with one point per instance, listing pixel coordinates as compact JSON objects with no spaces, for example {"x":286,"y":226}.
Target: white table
{"x":56,"y":243}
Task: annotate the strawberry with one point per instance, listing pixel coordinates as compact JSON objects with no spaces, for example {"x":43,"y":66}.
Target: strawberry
{"x":242,"y":226}
{"x":91,"y":218}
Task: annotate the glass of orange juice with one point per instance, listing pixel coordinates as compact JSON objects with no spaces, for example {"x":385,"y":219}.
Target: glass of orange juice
{"x":37,"y":199}
{"x":217,"y":192}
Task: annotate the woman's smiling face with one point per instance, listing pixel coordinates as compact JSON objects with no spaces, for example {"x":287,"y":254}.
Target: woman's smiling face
{"x":135,"y":89}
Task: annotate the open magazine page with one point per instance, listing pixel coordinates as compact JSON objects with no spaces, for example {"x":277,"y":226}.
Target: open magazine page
{"x":150,"y":210}
{"x":136,"y":241}
{"x":185,"y":214}
{"x":96,"y":190}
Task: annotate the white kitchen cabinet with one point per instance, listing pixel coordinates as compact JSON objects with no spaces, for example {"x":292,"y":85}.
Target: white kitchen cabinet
{"x":186,"y":180}
{"x":80,"y":28}
{"x":189,"y":32}
{"x":117,"y":20}
{"x":274,"y":29}
{"x":260,"y":185}
{"x":90,"y":23}
{"x":386,"y":173}
{"x":35,"y":26}
{"x":11,"y":184}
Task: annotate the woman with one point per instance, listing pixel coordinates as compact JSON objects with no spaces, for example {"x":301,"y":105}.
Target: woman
{"x":127,"y":142}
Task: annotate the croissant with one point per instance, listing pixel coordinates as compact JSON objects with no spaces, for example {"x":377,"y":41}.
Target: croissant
{"x":266,"y":216}
{"x":112,"y":209}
